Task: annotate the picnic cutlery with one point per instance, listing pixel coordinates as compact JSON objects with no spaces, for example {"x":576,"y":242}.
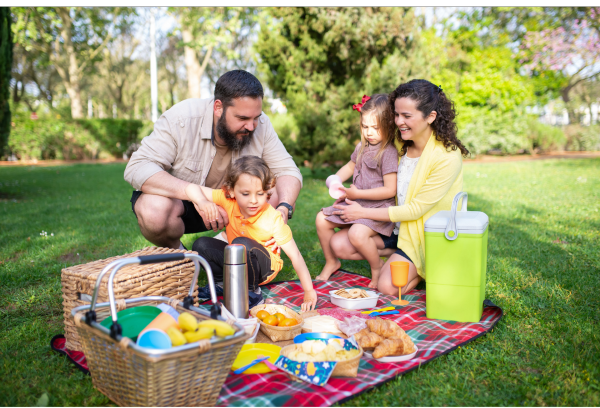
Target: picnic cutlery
{"x":247,"y":366}
{"x":385,"y":309}
{"x":393,"y":312}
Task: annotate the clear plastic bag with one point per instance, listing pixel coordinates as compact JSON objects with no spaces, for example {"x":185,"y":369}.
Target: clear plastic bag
{"x":352,"y":325}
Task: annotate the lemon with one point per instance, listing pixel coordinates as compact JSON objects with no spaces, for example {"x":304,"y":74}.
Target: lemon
{"x":177,"y":338}
{"x":187,"y":322}
{"x":201,"y":333}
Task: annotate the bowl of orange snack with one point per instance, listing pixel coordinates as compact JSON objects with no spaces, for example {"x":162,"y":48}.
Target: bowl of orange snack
{"x":278,"y":322}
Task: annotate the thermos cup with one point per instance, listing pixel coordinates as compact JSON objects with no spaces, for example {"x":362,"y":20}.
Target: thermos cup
{"x":235,"y":276}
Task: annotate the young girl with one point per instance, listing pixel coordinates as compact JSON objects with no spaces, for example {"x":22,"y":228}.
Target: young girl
{"x":252,"y":222}
{"x":373,"y":167}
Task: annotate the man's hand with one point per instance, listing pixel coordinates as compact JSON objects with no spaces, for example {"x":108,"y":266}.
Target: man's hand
{"x":220,"y":223}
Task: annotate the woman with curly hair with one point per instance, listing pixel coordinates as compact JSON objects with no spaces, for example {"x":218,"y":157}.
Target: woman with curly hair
{"x":429,"y":176}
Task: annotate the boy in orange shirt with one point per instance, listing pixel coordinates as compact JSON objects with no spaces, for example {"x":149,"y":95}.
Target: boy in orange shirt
{"x":252,"y":222}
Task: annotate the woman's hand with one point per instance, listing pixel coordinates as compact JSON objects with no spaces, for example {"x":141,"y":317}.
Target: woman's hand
{"x":310,"y":300}
{"x":350,"y":212}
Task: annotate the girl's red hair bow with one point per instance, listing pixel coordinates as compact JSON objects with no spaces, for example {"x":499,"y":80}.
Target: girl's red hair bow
{"x":359,"y":106}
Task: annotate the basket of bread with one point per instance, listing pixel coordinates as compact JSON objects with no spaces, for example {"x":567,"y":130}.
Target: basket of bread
{"x":278,"y":322}
{"x":385,"y":341}
{"x":347,"y":358}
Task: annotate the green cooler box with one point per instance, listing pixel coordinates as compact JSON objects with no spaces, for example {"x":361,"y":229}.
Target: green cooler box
{"x":455,"y":263}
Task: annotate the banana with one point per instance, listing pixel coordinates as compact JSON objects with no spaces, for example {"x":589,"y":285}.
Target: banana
{"x":221,"y":328}
{"x":177,"y":338}
{"x":201,"y":333}
{"x":187,"y":322}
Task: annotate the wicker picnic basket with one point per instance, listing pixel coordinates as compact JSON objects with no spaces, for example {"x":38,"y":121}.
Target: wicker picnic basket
{"x":170,"y":279}
{"x":276,"y":333}
{"x":187,"y":375}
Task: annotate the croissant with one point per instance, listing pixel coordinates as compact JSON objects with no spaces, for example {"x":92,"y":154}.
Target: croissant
{"x":361,"y":334}
{"x":384,"y":328}
{"x":389,"y":347}
{"x":370,"y":340}
{"x":409,"y":346}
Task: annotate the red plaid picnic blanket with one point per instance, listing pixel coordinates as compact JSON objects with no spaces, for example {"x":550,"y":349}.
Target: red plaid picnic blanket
{"x":433,"y":338}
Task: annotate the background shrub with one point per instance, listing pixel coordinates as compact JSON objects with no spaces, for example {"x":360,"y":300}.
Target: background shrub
{"x":45,"y":139}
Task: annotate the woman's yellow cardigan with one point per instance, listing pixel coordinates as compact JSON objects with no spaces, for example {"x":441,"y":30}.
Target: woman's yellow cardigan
{"x":438,"y":177}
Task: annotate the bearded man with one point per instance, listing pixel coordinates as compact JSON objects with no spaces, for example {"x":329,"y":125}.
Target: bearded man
{"x":194,"y":142}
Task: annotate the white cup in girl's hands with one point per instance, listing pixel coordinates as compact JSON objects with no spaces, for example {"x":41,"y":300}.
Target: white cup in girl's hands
{"x":336,"y":190}
{"x":331,"y":179}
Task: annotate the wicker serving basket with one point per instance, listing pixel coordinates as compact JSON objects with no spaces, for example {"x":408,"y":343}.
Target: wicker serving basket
{"x":276,"y":333}
{"x":188,"y":375}
{"x":170,"y":279}
{"x":346,"y":368}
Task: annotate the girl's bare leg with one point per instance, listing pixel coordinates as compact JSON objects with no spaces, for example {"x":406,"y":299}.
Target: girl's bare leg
{"x":361,"y":237}
{"x":385,"y":284}
{"x":325,"y":231}
{"x":343,"y":249}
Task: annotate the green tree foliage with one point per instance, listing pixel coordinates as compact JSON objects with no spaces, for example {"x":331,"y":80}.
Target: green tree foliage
{"x":321,"y":61}
{"x":6,"y":56}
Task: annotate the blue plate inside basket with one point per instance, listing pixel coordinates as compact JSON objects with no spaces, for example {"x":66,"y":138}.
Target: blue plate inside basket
{"x":314,"y":336}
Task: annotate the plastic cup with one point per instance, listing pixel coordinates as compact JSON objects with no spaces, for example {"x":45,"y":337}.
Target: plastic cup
{"x":336,"y":190}
{"x":154,"y":339}
{"x":165,"y":320}
{"x":331,"y":179}
{"x":399,"y":278}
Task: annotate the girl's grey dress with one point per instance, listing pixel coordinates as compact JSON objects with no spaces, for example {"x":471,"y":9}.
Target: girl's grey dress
{"x":369,"y":174}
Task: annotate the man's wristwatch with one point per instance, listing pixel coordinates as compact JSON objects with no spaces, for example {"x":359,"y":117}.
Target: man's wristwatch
{"x":289,"y":207}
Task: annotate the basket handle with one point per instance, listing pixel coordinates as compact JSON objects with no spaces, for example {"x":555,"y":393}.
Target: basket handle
{"x":451,"y":232}
{"x":116,"y":329}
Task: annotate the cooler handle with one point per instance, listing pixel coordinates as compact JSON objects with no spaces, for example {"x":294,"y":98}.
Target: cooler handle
{"x":451,"y":232}
{"x":116,"y":329}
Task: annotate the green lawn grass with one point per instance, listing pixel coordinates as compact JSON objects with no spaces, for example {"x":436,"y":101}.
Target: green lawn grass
{"x":543,"y":270}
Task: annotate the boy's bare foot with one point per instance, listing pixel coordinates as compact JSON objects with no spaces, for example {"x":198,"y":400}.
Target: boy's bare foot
{"x":328,"y":270}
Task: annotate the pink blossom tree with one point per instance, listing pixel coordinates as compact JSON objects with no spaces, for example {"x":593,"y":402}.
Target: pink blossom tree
{"x":572,"y":51}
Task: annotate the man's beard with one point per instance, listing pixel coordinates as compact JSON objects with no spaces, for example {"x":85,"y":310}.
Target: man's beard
{"x":230,"y":138}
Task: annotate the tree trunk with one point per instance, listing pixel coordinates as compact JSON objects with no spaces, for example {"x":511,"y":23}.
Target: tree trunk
{"x":567,"y":99}
{"x":194,"y":70}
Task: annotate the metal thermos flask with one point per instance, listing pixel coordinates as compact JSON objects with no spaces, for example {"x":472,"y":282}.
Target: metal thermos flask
{"x":235,"y":285}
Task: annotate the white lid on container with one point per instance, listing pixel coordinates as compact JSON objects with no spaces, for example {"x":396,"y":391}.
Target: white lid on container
{"x":453,"y":223}
{"x":467,"y":222}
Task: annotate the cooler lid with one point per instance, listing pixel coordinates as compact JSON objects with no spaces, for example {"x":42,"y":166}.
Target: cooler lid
{"x":453,"y":223}
{"x":467,"y":222}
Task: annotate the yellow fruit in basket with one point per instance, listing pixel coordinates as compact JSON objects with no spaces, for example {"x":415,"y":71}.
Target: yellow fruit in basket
{"x":280,"y":317}
{"x":187,"y":322}
{"x":271,"y":321}
{"x":177,"y":338}
{"x":288,"y":323}
{"x":221,"y":328}
{"x":200,"y":334}
{"x":262,"y":314}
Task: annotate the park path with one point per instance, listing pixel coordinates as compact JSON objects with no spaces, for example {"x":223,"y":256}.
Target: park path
{"x":479,"y":159}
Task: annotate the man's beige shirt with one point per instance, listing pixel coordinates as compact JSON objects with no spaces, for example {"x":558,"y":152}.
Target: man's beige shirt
{"x":181,"y":145}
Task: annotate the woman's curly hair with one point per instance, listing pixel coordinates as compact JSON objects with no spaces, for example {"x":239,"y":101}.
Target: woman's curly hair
{"x":429,"y":98}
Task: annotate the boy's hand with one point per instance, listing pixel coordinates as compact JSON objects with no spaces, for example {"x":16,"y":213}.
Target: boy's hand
{"x":211,"y":212}
{"x":273,"y":247}
{"x":310,"y":300}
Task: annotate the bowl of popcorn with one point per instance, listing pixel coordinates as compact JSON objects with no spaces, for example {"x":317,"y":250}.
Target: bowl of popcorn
{"x":354,"y":298}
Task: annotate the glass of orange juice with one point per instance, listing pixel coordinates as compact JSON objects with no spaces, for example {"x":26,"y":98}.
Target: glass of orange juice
{"x":399,"y":278}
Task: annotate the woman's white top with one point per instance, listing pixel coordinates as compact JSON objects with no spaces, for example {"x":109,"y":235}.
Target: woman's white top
{"x":406,"y":168}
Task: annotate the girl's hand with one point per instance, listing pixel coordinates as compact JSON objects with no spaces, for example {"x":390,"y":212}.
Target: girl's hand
{"x":310,"y":300}
{"x":350,"y":212}
{"x":352,"y":192}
